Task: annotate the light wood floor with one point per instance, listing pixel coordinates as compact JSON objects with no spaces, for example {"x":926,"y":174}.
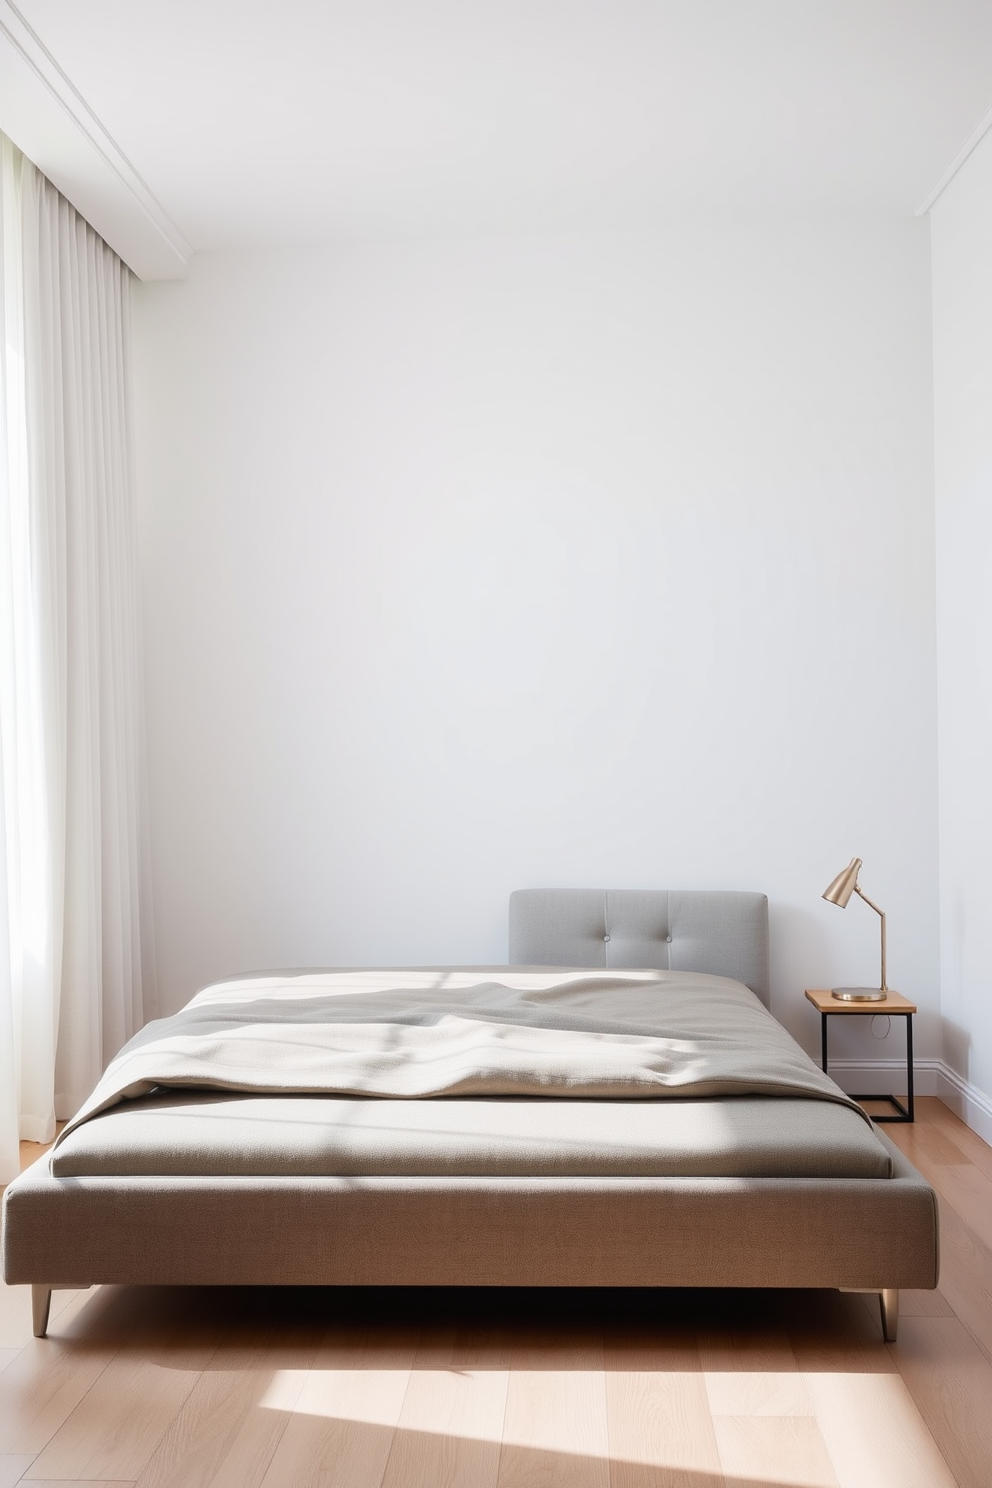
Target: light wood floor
{"x":229,"y":1388}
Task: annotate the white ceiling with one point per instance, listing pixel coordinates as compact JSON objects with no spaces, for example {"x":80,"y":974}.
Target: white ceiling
{"x":226,"y":123}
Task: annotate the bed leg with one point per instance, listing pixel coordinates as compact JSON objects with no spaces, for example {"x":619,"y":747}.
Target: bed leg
{"x":889,"y":1301}
{"x":41,"y":1301}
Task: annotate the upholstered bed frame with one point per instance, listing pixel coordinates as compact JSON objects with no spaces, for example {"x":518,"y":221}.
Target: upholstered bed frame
{"x":859,"y":1234}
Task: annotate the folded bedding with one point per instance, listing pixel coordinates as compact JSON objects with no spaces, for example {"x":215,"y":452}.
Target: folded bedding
{"x":551,"y":1069}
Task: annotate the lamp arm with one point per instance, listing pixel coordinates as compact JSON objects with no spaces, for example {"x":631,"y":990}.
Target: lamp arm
{"x":881,"y":914}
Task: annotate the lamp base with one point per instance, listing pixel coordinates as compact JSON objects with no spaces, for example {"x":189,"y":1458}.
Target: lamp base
{"x":860,"y":994}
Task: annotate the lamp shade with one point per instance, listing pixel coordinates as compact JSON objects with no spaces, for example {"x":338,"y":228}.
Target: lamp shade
{"x":840,"y":889}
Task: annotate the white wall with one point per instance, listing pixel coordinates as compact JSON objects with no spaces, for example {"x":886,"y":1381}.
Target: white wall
{"x":962,"y":296}
{"x":593,"y":560}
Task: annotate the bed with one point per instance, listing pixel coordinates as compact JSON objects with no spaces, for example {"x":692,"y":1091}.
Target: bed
{"x":615,"y":1107}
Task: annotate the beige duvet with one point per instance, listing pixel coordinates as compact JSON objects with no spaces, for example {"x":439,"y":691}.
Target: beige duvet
{"x":411,"y":1035}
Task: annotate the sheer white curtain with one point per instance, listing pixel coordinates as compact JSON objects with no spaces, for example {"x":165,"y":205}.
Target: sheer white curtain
{"x":75,"y":947}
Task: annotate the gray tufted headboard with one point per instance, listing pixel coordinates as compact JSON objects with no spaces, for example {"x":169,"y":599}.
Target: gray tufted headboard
{"x":711,"y":930}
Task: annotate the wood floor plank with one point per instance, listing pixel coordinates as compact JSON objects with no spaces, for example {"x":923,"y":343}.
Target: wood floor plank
{"x":967,"y":1141}
{"x":555,"y":1432}
{"x":555,"y":1428}
{"x":207,"y":1436}
{"x":969,"y":1192}
{"x":657,"y":1350}
{"x":923,"y":1142}
{"x":480,"y":1347}
{"x":575,"y":1349}
{"x":465,"y":1347}
{"x":450,"y":1430}
{"x":966,"y":1185}
{"x":753,"y":1374}
{"x":340,"y":1434}
{"x":874,"y":1433}
{"x":30,"y":1152}
{"x":914,"y":1303}
{"x":15,"y":1317}
{"x":950,"y":1380}
{"x":345,"y":1415}
{"x":251,"y":1447}
{"x":658,"y":1416}
{"x":12,"y":1469}
{"x":16,"y":1323}
{"x":660,"y":1430}
{"x":742,"y":1392}
{"x":64,"y":1307}
{"x":966,"y":1275}
{"x":113,"y":1432}
{"x":40,"y":1390}
{"x":773,"y":1449}
{"x":841,"y":1336}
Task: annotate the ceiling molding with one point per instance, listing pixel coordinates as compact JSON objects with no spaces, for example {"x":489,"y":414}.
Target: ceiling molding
{"x":974,"y":139}
{"x":47,"y":118}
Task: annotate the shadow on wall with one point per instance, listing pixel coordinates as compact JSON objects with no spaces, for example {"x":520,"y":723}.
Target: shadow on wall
{"x":956,"y":1046}
{"x":799,"y":957}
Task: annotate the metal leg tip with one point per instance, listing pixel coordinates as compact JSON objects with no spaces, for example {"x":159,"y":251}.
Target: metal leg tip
{"x":41,"y":1302}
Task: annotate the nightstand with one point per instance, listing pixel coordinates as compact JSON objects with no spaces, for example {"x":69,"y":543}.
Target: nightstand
{"x":894,"y":1006}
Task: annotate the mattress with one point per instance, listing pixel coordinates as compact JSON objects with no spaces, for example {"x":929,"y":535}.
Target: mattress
{"x":502,"y":1072}
{"x":174,"y":1133}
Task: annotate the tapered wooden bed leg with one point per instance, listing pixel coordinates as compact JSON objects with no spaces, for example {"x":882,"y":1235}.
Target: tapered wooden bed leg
{"x":889,"y":1299}
{"x":41,"y":1301}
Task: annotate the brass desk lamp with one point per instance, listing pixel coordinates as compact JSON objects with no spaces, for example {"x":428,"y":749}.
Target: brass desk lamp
{"x":839,"y":892}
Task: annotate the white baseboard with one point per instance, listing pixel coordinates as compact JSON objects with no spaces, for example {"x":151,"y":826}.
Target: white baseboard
{"x":930,"y":1077}
{"x":966,"y":1100}
{"x":859,"y":1075}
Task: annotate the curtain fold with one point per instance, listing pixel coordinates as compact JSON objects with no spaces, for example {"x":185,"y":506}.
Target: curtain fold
{"x":74,"y":983}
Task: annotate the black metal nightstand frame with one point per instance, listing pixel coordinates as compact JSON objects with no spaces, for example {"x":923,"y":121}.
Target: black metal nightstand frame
{"x":902,"y":1112}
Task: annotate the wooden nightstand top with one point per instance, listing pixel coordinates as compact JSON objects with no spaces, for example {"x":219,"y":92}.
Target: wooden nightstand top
{"x":824,"y":1002}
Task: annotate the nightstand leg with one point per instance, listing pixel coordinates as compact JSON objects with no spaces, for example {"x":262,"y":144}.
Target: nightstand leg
{"x":909,"y":1067}
{"x":823,"y":1042}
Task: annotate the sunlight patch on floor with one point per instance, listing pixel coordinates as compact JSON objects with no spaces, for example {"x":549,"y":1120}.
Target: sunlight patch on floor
{"x":467,"y":1404}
